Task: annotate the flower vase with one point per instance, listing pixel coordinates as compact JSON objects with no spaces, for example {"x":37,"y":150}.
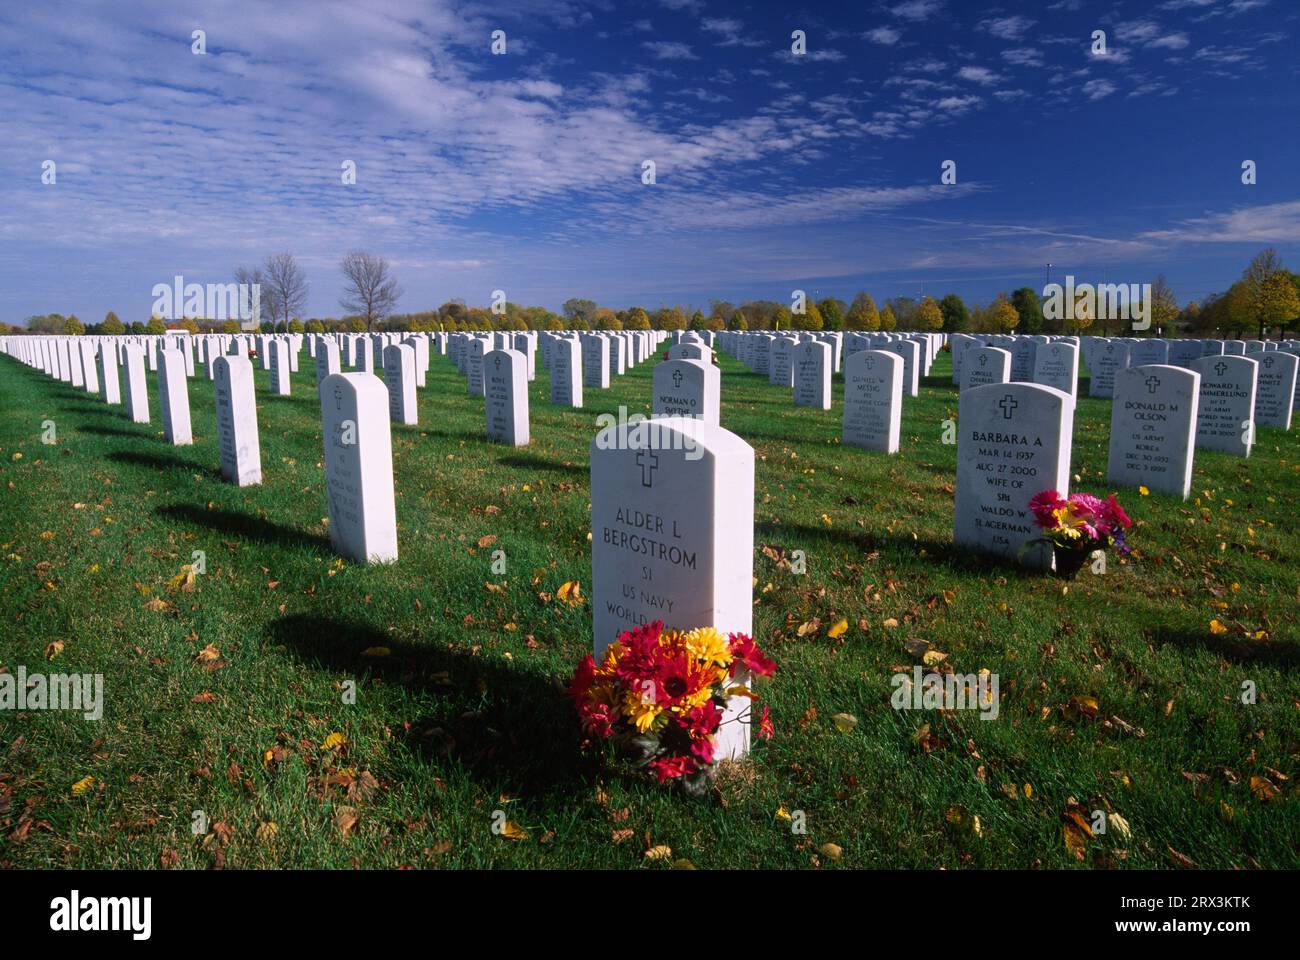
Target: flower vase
{"x":1070,"y":562}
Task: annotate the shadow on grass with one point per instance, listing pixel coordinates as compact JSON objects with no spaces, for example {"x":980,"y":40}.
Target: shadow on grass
{"x":513,"y":731}
{"x":1232,"y":647}
{"x":246,"y":525}
{"x":161,"y":461}
{"x":102,"y":431}
{"x":530,"y":461}
{"x":937,"y":553}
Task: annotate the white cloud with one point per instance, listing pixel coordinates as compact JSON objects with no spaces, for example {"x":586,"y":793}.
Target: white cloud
{"x":669,"y":50}
{"x":1267,"y":223}
{"x":885,"y":36}
{"x":916,"y":9}
{"x":1097,"y":89}
{"x":1007,"y":28}
{"x":1023,"y":57}
{"x":981,"y":75}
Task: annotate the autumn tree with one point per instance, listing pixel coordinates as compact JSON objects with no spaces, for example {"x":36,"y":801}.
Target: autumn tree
{"x":928,"y":316}
{"x":862,"y":314}
{"x":112,"y":326}
{"x":887,"y":319}
{"x":1164,"y":305}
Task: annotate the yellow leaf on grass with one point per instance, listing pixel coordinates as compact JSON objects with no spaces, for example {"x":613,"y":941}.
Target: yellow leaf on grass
{"x":1217,"y":628}
{"x":661,"y":852}
{"x":891,"y":623}
{"x":838,"y":630}
{"x":334,"y":741}
{"x":782,"y":813}
{"x":82,"y":785}
{"x":683,"y":864}
{"x":931,"y":657}
{"x":831,"y":851}
{"x":844,"y":722}
{"x":512,"y":831}
{"x":1144,"y":491}
{"x":570,"y":593}
{"x":53,"y":649}
{"x":266,"y":832}
{"x":1119,"y":825}
{"x":207,"y":654}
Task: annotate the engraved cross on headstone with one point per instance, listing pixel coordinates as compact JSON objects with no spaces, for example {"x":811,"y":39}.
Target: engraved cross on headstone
{"x":1152,"y":382}
{"x":1220,"y":367}
{"x":648,"y":463}
{"x":1008,"y":404}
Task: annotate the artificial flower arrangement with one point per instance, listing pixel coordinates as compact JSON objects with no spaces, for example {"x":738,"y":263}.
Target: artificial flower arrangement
{"x":660,"y":696}
{"x":1079,"y":525}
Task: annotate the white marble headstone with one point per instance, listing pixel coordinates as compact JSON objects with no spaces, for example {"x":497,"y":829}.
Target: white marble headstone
{"x":359,"y":467}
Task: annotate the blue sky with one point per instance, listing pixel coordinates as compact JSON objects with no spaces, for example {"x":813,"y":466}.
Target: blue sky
{"x":523,"y":172}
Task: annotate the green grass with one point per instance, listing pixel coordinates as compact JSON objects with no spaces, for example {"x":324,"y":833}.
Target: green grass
{"x":465,"y":717}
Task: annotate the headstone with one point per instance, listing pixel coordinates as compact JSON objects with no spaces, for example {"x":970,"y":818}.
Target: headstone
{"x":812,"y":374}
{"x":279,"y":350}
{"x":327,"y":360}
{"x":137,"y":394}
{"x":174,"y":398}
{"x":566,"y":372}
{"x":1056,"y":365}
{"x":595,"y":362}
{"x":505,"y":374}
{"x":873,"y":400}
{"x":399,"y":378}
{"x":1023,"y":350}
{"x":687,"y":388}
{"x":910,"y":351}
{"x":359,"y":467}
{"x":1153,"y":428}
{"x":672,"y":531}
{"x":1275,"y":394}
{"x":1107,"y":360}
{"x":474,"y":366}
{"x":1013,"y":442}
{"x":983,"y":365}
{"x":1144,"y":353}
{"x":1225,"y":416}
{"x":108,"y":373}
{"x":241,"y":451}
{"x":89,"y":374}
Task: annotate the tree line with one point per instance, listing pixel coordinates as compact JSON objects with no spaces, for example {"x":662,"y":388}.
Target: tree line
{"x":1264,"y":301}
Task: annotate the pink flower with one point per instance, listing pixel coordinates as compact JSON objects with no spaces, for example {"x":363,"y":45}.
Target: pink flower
{"x":1044,"y":506}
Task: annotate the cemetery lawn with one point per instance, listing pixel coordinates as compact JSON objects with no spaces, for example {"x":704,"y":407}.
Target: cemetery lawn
{"x":224,"y":693}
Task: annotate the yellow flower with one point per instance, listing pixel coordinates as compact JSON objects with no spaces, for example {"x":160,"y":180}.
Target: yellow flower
{"x":707,"y":645}
{"x":641,"y":710}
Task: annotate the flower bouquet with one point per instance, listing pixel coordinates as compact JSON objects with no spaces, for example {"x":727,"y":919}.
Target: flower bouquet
{"x":660,"y":696}
{"x":1079,"y":526}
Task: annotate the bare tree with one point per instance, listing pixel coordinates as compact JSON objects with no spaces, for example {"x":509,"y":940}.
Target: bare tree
{"x":370,"y":290}
{"x":249,"y":278}
{"x":284,"y":287}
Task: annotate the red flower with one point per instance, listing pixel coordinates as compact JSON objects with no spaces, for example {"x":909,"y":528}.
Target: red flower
{"x":669,"y":767}
{"x":749,"y":657}
{"x":582,"y":679}
{"x":702,"y":721}
{"x":596,"y":719}
{"x":642,"y":657}
{"x":1043,"y":504}
{"x":766,"y":729}
{"x":702,"y":750}
{"x":1117,"y":514}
